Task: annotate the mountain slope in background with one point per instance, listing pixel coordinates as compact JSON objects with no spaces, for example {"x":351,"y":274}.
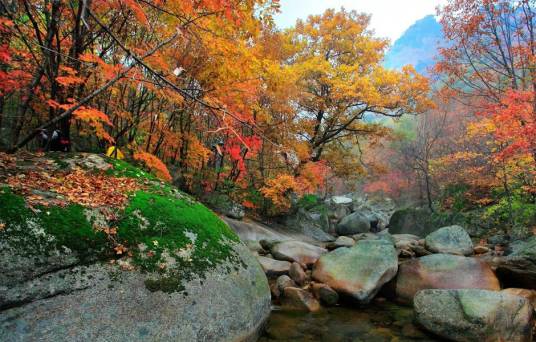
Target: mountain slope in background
{"x":417,"y":46}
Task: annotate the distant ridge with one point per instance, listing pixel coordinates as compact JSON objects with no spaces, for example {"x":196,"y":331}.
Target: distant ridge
{"x":418,"y":45}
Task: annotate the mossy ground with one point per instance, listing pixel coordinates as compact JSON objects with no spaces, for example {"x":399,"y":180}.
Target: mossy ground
{"x":167,"y":234}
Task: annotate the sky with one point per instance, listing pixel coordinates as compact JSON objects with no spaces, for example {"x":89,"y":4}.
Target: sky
{"x":390,"y":18}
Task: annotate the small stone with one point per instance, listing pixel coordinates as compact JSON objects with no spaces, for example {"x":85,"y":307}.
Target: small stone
{"x":297,"y":274}
{"x":325,"y":294}
{"x":283,"y":282}
{"x":300,"y":300}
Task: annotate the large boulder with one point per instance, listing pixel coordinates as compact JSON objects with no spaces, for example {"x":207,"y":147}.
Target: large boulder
{"x":150,"y":265}
{"x":442,"y":271}
{"x":353,"y":224}
{"x":412,"y":221}
{"x":297,"y":251}
{"x":450,"y":240}
{"x":474,"y":315}
{"x":359,"y":271}
{"x":518,"y":269}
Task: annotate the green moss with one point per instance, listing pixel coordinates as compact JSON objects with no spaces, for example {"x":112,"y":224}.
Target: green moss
{"x":121,"y":168}
{"x":48,"y":228}
{"x":13,"y":209}
{"x":175,"y":237}
{"x":71,"y":229}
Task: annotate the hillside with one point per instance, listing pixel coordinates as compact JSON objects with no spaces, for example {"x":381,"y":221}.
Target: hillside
{"x":417,"y":46}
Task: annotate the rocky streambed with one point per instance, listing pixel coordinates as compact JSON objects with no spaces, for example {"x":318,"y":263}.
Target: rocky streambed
{"x":383,"y":287}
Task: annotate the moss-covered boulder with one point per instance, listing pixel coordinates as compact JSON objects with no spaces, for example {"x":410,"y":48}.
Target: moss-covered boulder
{"x":150,"y":263}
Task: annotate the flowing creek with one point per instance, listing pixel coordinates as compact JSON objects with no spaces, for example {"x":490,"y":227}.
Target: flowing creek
{"x":375,"y":323}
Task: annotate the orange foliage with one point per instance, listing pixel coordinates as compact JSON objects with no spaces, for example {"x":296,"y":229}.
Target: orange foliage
{"x":154,"y":164}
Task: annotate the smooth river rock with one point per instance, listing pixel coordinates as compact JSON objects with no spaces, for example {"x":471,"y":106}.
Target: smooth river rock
{"x":442,"y":271}
{"x":273,"y":268}
{"x":359,"y":271}
{"x":353,"y":224}
{"x":475,"y":315}
{"x":299,"y":300}
{"x":297,"y":251}
{"x":450,"y":240}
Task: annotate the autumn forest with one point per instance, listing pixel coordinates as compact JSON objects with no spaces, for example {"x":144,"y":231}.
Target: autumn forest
{"x":213,"y":92}
{"x":142,"y":140}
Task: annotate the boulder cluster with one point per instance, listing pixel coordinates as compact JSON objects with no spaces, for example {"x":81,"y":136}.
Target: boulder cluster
{"x":459,"y":291}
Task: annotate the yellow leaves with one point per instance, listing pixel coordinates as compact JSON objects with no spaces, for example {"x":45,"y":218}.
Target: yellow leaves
{"x":278,"y":190}
{"x":114,"y":152}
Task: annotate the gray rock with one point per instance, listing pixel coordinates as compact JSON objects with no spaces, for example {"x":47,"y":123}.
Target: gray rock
{"x":235,"y":211}
{"x":450,"y":240}
{"x":475,"y":315}
{"x":298,"y":251}
{"x":273,"y":268}
{"x":344,"y":241}
{"x":297,"y":274}
{"x":412,"y":221}
{"x":518,"y":269}
{"x":79,"y":304}
{"x":338,"y":200}
{"x":359,"y":271}
{"x":353,"y":224}
{"x":310,"y":223}
{"x":299,"y":300}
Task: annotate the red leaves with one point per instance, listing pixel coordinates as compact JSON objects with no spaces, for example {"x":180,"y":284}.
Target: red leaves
{"x":514,"y":123}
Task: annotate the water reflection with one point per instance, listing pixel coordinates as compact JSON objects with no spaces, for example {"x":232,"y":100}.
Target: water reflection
{"x":378,"y":322}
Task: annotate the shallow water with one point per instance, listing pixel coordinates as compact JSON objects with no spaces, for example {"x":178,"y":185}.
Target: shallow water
{"x":377,"y":323}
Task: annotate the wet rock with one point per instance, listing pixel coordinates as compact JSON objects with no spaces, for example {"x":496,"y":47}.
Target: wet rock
{"x":442,"y":271}
{"x":359,"y":271}
{"x":450,"y":240}
{"x":283,"y":282}
{"x":297,"y":251}
{"x":274,"y":268}
{"x":353,"y":224}
{"x":297,"y":274}
{"x":299,"y":300}
{"x":474,"y":315}
{"x":325,"y":294}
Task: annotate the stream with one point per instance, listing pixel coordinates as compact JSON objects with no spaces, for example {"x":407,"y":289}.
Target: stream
{"x":378,"y":322}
